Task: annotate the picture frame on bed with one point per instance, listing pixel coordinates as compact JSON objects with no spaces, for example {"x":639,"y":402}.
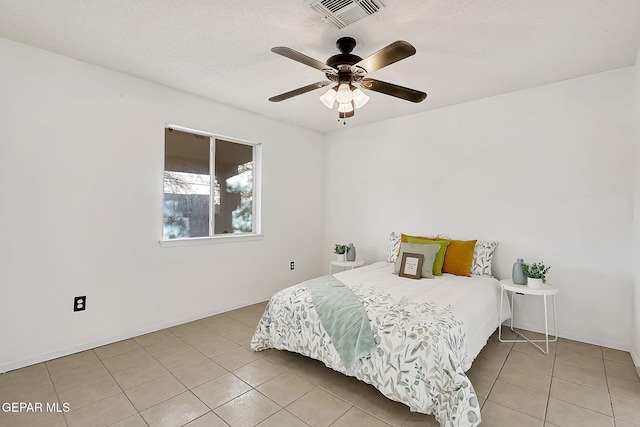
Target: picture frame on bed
{"x":411,"y":266}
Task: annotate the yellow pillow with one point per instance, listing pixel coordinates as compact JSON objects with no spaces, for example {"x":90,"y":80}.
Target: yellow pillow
{"x":459,"y":257}
{"x":439,"y":260}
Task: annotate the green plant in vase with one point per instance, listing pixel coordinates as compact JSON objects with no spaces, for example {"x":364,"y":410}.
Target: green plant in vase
{"x":341,"y":249}
{"x":537,"y":270}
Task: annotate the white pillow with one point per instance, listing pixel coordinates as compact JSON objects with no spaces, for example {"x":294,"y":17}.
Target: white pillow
{"x":394,"y":247}
{"x":483,"y":257}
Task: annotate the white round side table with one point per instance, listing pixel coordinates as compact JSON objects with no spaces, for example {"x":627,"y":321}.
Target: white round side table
{"x":345,"y":264}
{"x":507,"y":285}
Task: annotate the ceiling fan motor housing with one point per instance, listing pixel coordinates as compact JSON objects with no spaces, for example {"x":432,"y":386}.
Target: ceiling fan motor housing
{"x":343,"y":59}
{"x":345,"y":45}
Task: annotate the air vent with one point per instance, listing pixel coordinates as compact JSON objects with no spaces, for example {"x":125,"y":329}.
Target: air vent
{"x":345,"y":12}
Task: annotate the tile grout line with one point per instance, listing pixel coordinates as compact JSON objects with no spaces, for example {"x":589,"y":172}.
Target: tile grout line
{"x":553,"y":369}
{"x":613,"y":414}
{"x":55,"y":390}
{"x":123,"y":392}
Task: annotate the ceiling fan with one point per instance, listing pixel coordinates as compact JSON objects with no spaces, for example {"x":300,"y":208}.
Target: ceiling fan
{"x":349,"y":72}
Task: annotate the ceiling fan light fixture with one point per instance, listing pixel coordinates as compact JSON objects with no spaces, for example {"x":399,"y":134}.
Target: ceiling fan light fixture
{"x":359,"y":98}
{"x":345,"y":108}
{"x":329,"y":98}
{"x":344,"y":95}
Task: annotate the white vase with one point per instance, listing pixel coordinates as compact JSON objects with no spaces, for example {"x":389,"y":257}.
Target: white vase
{"x":341,"y":257}
{"x":534,"y":283}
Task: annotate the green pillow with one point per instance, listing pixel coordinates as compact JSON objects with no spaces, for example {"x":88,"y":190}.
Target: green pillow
{"x":439,"y":260}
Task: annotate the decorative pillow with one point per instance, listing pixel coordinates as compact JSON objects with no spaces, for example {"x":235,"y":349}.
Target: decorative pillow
{"x":437,"y":263}
{"x":482,"y":258}
{"x":394,"y":247}
{"x":429,"y":252}
{"x":405,"y":237}
{"x":459,"y":257}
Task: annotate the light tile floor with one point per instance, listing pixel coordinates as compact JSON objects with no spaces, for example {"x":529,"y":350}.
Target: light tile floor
{"x":203,"y":374}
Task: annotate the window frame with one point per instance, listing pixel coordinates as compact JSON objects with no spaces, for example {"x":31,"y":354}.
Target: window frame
{"x":257,"y":194}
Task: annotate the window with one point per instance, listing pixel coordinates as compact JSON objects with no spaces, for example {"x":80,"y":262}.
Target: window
{"x":210,"y":185}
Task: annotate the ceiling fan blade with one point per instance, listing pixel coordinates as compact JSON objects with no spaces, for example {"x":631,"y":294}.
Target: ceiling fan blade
{"x":393,"y":90}
{"x":386,"y":56}
{"x":300,"y":57}
{"x":299,"y":91}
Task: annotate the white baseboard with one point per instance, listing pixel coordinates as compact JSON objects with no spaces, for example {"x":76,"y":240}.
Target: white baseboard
{"x":126,"y":335}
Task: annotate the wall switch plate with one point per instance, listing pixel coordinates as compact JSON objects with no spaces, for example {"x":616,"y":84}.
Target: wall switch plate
{"x":80,"y":303}
{"x":292,"y":265}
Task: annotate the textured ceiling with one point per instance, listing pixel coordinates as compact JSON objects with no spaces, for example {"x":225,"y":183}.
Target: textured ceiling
{"x":220,"y":49}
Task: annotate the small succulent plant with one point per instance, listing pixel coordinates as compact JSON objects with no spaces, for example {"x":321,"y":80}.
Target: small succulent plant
{"x":340,"y":249}
{"x":537,"y":270}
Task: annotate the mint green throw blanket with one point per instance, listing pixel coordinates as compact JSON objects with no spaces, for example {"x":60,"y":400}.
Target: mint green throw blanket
{"x":343,"y":317}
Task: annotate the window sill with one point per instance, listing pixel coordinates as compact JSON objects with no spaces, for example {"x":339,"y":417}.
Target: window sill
{"x":229,"y":238}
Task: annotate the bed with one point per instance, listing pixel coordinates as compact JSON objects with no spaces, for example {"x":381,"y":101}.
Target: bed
{"x":425,"y":334}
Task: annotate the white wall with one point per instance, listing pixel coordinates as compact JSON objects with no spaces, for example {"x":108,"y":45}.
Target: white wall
{"x":81,"y":165}
{"x":636,"y":217}
{"x":547,"y":172}
{"x":81,"y":158}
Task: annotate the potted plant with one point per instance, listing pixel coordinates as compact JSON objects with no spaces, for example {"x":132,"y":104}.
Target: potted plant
{"x":536,"y":273}
{"x":340,"y":251}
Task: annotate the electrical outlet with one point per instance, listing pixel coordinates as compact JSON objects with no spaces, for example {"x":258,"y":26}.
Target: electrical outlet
{"x":292,"y":265}
{"x":80,"y":303}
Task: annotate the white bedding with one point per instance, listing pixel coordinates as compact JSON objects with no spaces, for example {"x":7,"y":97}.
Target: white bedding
{"x":475,"y":300}
{"x":427,"y":332}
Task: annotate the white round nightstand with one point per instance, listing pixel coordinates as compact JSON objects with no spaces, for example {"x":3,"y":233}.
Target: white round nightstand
{"x":346,"y":264}
{"x":507,"y":285}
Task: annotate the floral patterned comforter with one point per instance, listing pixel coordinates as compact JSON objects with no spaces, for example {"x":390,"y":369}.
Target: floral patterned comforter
{"x":420,"y":357}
